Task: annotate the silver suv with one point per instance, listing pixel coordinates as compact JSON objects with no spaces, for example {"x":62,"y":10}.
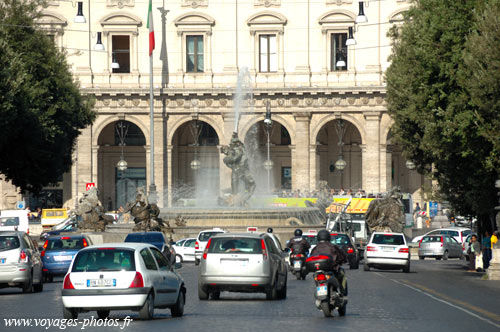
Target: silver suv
{"x":20,"y":262}
{"x":201,"y":242}
{"x":246,"y":262}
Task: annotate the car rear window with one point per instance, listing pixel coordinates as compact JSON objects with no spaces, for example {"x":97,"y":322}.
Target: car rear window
{"x":65,"y":243}
{"x":428,"y":239}
{"x":9,"y":242}
{"x":339,"y":239}
{"x":466,"y":233}
{"x":9,"y":221}
{"x":388,"y":239}
{"x":235,"y":245}
{"x":312,"y":239}
{"x":144,"y":238}
{"x":207,"y":235}
{"x":104,"y":259}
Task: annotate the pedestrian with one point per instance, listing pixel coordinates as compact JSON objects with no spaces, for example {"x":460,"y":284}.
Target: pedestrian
{"x":417,"y":208}
{"x":474,"y":252}
{"x":486,"y":245}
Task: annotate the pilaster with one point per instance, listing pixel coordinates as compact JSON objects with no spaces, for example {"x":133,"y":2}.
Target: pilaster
{"x":371,"y":153}
{"x":301,"y":155}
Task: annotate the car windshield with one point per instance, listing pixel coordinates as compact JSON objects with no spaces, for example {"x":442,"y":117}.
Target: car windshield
{"x":339,"y":239}
{"x":65,"y":243}
{"x":9,"y":221}
{"x":236,"y":245}
{"x":388,"y":239}
{"x":312,"y":239}
{"x":466,"y":233}
{"x":207,"y":235}
{"x":104,"y":259}
{"x":9,"y":242}
{"x":428,"y":239}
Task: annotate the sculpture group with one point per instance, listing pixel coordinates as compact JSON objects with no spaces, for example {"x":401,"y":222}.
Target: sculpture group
{"x":386,"y":214}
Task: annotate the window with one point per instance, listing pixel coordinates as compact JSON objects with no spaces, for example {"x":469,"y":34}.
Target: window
{"x":133,"y":137}
{"x":148,"y":259}
{"x":268,"y":55}
{"x":285,"y":136}
{"x":338,"y":50}
{"x":194,"y":54}
{"x":121,"y":53}
{"x":160,"y":259}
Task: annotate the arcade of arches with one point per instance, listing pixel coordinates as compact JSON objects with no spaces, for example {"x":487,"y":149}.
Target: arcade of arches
{"x":303,"y":149}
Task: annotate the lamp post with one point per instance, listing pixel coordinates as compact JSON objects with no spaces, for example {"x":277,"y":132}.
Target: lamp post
{"x":410,"y":165}
{"x":268,"y":125}
{"x":195,"y":131}
{"x":121,"y":130}
{"x":341,"y":164}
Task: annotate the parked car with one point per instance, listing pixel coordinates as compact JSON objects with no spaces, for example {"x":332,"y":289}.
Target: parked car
{"x":14,"y":220}
{"x":346,"y":243}
{"x":20,"y":262}
{"x":122,"y":276}
{"x":68,"y":225}
{"x":387,"y":250}
{"x":201,"y":242}
{"x":439,"y":246}
{"x":184,"y":250}
{"x":58,"y":252}
{"x":459,"y":233}
{"x":155,"y":238}
{"x":246,"y":262}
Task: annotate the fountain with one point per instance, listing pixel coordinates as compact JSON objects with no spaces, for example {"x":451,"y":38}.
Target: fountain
{"x":243,"y":207}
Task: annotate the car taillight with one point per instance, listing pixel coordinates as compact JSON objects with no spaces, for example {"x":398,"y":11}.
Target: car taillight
{"x":317,"y":258}
{"x":420,"y":242}
{"x":264,"y":250}
{"x":45,"y":244}
{"x":404,"y":250}
{"x":350,"y":250}
{"x":23,"y":258}
{"x":65,"y":238}
{"x":138,"y":282}
{"x":67,"y":283}
{"x":299,"y":255}
{"x":320,"y":277}
{"x":197,"y":246}
{"x":441,"y":241}
{"x":463,"y":246}
{"x":85,"y":244}
{"x":205,"y":252}
{"x":42,"y":253}
{"x":371,"y":248}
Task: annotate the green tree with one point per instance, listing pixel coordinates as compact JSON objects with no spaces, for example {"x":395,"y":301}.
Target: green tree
{"x":434,"y":117}
{"x":41,"y":108}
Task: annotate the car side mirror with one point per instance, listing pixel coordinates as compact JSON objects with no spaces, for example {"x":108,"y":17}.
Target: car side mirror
{"x":178,"y":265}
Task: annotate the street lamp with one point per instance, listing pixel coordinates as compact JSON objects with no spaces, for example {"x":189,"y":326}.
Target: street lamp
{"x":410,"y":164}
{"x":350,"y":38}
{"x":195,"y":164}
{"x":341,"y":164}
{"x":268,"y":125}
{"x":195,"y":131}
{"x":121,"y":130}
{"x":79,"y":18}
{"x":361,"y":18}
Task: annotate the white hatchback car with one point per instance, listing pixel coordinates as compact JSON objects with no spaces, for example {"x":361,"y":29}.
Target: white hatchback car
{"x":122,"y":276}
{"x":201,"y":242}
{"x":459,"y":233}
{"x":387,"y":250}
{"x":184,"y":250}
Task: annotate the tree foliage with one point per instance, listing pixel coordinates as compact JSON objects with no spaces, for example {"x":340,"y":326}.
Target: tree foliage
{"x":435,"y":118}
{"x":41,"y":108}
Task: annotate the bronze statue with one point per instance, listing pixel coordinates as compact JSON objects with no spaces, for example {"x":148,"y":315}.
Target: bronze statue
{"x":242,"y":183}
{"x":386,"y":214}
{"x":146,"y":215}
{"x":92,"y":212}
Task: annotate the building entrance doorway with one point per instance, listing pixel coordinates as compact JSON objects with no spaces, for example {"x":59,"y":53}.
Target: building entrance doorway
{"x":127,"y":183}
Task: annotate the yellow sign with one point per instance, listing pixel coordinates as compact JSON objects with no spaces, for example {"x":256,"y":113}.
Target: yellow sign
{"x":358,"y":205}
{"x":291,"y":202}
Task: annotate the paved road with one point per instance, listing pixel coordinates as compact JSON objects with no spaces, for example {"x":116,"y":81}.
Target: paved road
{"x":435,"y":296}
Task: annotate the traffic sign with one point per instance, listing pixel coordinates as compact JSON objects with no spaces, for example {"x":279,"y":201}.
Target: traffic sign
{"x":21,"y":205}
{"x":89,"y":186}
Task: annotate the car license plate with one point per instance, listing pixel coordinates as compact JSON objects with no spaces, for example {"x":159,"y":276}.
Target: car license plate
{"x":234,"y":262}
{"x":321,"y":290}
{"x":63,"y":258}
{"x":297,"y":265}
{"x":2,"y":260}
{"x":101,"y":282}
{"x":387,"y":249}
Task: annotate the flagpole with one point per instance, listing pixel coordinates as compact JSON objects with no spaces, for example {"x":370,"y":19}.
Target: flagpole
{"x":152,"y":186}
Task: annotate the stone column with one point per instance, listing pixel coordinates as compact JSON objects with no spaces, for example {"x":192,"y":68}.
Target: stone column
{"x":300,"y":159}
{"x":169,"y":174}
{"x":314,"y":167}
{"x":385,"y":167}
{"x":159,"y":162}
{"x":95,"y":159}
{"x":371,"y":153}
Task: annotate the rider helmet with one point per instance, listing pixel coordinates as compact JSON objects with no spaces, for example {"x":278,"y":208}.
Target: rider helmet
{"x":298,"y":232}
{"x":269,"y":230}
{"x":324,"y":235}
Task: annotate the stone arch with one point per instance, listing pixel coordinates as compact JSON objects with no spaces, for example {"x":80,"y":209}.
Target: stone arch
{"x":385,"y":129}
{"x":49,"y":17}
{"x":397,"y":16}
{"x":355,"y":122}
{"x":281,"y":120}
{"x":337,"y":16}
{"x":186,"y":118}
{"x":113,"y":118}
{"x":121,"y":19}
{"x":194,"y":18}
{"x":266,"y":17}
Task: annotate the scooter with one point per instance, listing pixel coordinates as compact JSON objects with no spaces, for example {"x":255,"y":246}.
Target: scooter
{"x":297,"y":266}
{"x":328,"y":292}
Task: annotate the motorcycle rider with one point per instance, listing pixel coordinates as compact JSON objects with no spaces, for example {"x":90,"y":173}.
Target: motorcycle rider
{"x":298,"y":244}
{"x":325,"y":247}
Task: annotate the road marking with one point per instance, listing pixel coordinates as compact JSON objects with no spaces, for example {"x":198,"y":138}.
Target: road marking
{"x":441,"y":298}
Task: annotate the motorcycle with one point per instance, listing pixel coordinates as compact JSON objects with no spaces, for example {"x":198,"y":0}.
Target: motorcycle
{"x":328,"y":294}
{"x":297,"y":266}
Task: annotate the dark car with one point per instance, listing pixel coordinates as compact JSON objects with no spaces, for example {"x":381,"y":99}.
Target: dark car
{"x":67,"y":226}
{"x":59,"y":251}
{"x":344,"y":241}
{"x":155,"y":238}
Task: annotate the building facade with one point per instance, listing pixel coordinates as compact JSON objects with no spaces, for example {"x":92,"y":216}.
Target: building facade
{"x":327,"y":99}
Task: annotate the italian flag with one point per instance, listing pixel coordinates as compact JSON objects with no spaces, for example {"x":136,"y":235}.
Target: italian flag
{"x":151,"y":29}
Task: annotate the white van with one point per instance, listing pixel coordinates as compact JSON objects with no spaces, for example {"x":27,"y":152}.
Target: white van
{"x":14,"y":220}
